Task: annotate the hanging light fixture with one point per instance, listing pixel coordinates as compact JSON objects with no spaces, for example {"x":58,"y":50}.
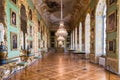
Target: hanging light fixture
{"x":61,"y":38}
{"x":60,"y":43}
{"x":61,"y":31}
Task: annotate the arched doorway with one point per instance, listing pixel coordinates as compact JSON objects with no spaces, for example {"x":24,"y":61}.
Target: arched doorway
{"x":87,"y":34}
{"x":23,"y":18}
{"x":100,"y":36}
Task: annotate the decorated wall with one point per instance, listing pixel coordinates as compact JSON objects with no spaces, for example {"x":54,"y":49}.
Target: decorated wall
{"x":21,"y":27}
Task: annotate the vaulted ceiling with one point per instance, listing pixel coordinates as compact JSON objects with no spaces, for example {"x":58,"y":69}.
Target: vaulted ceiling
{"x":50,"y":11}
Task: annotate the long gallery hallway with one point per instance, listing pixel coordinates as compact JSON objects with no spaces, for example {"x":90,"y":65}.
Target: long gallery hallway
{"x":58,"y":66}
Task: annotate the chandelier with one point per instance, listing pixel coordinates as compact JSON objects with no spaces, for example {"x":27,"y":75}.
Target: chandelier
{"x":60,"y":43}
{"x":61,"y":38}
{"x":61,"y":31}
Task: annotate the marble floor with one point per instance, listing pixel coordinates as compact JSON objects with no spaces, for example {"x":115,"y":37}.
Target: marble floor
{"x":58,"y":66}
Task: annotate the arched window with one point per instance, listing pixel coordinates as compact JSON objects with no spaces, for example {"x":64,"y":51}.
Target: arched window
{"x":80,"y":36}
{"x":87,"y":34}
{"x":101,"y":28}
{"x":1,"y":32}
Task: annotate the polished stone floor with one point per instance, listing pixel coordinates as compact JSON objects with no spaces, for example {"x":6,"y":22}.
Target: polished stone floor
{"x":58,"y":66}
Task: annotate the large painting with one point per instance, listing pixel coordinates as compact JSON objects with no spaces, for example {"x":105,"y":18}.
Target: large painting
{"x":13,"y":41}
{"x":111,"y":22}
{"x":13,"y":18}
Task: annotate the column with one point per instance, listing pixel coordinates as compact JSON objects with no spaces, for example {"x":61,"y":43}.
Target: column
{"x":80,"y":37}
{"x":75,"y":38}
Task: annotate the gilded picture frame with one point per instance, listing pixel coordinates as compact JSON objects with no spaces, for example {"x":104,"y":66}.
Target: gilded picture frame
{"x":13,"y":18}
{"x":14,"y":43}
{"x":112,"y":22}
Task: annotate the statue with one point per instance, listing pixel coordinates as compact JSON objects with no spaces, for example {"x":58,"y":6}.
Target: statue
{"x":2,"y":47}
{"x":3,"y":53}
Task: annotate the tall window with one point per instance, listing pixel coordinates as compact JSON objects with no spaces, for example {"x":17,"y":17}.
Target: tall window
{"x":87,"y":34}
{"x":101,"y":28}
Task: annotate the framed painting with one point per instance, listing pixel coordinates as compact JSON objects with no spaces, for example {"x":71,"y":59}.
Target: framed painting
{"x":30,"y":30}
{"x":38,"y":26}
{"x":112,"y":45}
{"x":111,"y":22}
{"x":30,"y":14}
{"x":38,"y":43}
{"x":13,"y":18}
{"x":110,"y":2}
{"x":14,"y":44}
{"x":14,"y":1}
{"x":93,"y":14}
{"x":31,"y":46}
{"x":92,"y":34}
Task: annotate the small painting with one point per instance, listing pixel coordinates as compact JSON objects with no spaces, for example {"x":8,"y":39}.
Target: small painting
{"x":111,"y":45}
{"x":30,"y":14}
{"x":93,"y":14}
{"x":111,"y":22}
{"x":92,"y":33}
{"x":13,"y":41}
{"x":39,"y":43}
{"x":38,"y":26}
{"x":13,"y":18}
{"x":30,"y":30}
{"x":111,"y":48}
{"x":31,"y":46}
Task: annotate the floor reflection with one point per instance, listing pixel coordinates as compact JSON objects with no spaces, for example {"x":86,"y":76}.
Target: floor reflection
{"x":63,"y":67}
